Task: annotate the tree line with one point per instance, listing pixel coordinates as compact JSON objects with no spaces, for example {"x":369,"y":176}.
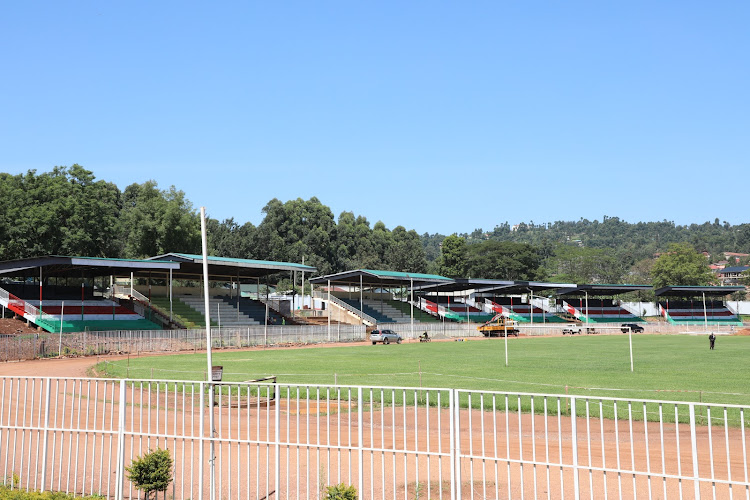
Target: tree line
{"x":67,"y":211}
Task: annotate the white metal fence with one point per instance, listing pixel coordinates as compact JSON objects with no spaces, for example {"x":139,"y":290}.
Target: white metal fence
{"x":290,"y":441}
{"x":41,"y":345}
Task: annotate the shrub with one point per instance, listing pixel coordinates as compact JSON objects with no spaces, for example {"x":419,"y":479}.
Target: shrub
{"x":152,"y":472}
{"x":341,"y":492}
{"x":17,"y":494}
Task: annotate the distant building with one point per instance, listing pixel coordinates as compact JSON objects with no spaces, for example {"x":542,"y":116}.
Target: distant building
{"x":735,"y":257}
{"x":730,"y":275}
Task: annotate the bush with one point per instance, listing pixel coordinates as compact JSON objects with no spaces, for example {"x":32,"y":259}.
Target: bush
{"x":341,"y":492}
{"x":152,"y":472}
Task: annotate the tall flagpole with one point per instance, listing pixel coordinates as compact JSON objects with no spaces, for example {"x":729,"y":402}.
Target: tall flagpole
{"x":212,"y":454}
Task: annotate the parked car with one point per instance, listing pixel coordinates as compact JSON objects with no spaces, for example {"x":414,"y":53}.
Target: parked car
{"x":633,"y":328}
{"x":385,"y":336}
{"x":571,"y":329}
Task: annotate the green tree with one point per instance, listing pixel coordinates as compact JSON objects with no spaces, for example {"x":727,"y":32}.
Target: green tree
{"x":681,"y":265}
{"x":503,"y":260}
{"x":453,"y":257}
{"x":296,"y":229}
{"x":406,"y":253}
{"x":582,"y":265}
{"x":156,"y":222}
{"x":63,"y":212}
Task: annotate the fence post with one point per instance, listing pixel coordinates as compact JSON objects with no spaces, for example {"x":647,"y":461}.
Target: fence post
{"x":120,"y":468}
{"x":277,"y":423}
{"x":360,"y":444}
{"x":455,"y":445}
{"x":574,"y":444}
{"x":694,"y":447}
{"x":46,"y":434}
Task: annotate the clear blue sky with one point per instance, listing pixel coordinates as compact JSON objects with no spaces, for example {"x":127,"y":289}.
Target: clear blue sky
{"x":441,"y":117}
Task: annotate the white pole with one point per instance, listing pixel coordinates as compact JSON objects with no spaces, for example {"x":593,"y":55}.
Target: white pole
{"x":209,"y":361}
{"x":505,"y":327}
{"x":532,"y":306}
{"x":131,"y":283}
{"x":587,"y":310}
{"x":630,"y":340}
{"x":329,"y":310}
{"x":218,"y":316}
{"x":411,"y":285}
{"x":62,"y":315}
{"x":170,"y":295}
{"x":705,"y":314}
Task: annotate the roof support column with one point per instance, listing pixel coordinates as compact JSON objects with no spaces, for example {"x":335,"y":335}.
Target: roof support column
{"x":587,"y":307}
{"x":40,"y":289}
{"x":361,"y":302}
{"x":705,"y":313}
{"x":411,"y":289}
{"x":532,"y":305}
{"x":239,"y":295}
{"x":170,"y":295}
{"x":329,"y":310}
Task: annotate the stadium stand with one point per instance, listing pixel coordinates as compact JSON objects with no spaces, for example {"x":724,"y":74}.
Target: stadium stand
{"x":686,"y":312}
{"x":372,"y":308}
{"x":600,"y":311}
{"x":223,"y":309}
{"x":522,"y":312}
{"x":92,"y":315}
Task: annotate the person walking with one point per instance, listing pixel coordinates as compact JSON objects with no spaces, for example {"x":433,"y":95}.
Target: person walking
{"x":712,"y":340}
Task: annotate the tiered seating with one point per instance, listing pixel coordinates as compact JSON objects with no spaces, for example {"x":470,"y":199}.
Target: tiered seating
{"x":367,"y":308}
{"x":600,"y":311}
{"x":419,"y":315}
{"x":522,"y":312}
{"x":692,"y":313}
{"x":92,"y":315}
{"x":458,"y":310}
{"x":224,"y":310}
{"x":255,"y":310}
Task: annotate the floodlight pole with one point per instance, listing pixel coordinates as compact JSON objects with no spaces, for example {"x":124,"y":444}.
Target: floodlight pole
{"x":212,"y":454}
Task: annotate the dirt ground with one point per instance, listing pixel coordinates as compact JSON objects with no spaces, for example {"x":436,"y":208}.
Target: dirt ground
{"x":10,"y":326}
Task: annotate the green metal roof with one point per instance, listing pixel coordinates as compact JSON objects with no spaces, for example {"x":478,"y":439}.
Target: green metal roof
{"x":397,"y":274}
{"x":247,"y":262}
{"x":372,"y":277}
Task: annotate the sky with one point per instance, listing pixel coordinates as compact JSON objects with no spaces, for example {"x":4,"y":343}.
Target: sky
{"x":437,"y":116}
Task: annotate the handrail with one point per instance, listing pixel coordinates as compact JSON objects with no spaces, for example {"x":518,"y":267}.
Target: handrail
{"x":353,"y":310}
{"x":25,"y":309}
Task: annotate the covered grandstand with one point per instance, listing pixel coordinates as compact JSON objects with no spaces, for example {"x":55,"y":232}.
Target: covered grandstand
{"x":697,"y":305}
{"x":594,"y":304}
{"x":369,"y":294}
{"x":67,"y":294}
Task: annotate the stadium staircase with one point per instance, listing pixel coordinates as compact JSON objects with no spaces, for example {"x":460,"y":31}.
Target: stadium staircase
{"x":692,"y":313}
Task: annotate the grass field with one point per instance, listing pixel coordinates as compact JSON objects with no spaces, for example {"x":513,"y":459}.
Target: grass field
{"x":667,"y":367}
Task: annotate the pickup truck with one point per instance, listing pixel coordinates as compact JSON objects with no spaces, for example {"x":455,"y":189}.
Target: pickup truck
{"x":571,"y":329}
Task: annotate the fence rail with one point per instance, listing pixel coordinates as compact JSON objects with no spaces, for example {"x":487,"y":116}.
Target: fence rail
{"x":276,"y":440}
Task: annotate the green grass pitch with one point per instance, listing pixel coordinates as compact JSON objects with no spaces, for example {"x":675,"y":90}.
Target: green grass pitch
{"x":666,"y":367}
